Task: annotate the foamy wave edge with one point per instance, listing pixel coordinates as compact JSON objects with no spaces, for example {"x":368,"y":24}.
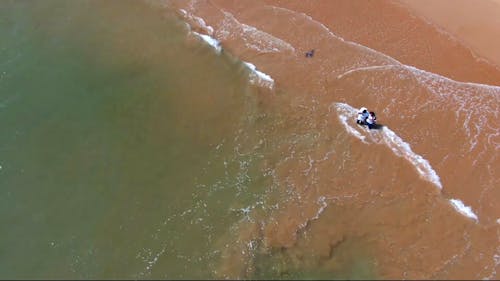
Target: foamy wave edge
{"x":214,"y":43}
{"x":462,"y":209}
{"x":256,"y":76}
{"x":259,"y":77}
{"x":402,"y":149}
{"x":393,"y":141}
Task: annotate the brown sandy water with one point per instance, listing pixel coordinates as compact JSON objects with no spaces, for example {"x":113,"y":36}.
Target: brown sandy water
{"x":349,"y":203}
{"x":131,"y":149}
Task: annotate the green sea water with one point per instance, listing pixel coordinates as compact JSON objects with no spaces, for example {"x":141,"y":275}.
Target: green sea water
{"x":112,"y":125}
{"x":128,"y":148}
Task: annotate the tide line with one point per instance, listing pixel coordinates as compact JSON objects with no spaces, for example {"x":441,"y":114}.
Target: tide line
{"x":401,"y":149}
{"x":256,"y":76}
{"x":392,"y":140}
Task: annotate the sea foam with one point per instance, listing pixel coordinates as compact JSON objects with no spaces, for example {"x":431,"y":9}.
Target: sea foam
{"x":259,"y":77}
{"x":200,"y":22}
{"x":401,"y":149}
{"x":390,"y":139}
{"x":256,"y":76}
{"x":252,"y":37}
{"x":464,"y":210}
{"x":210,"y":41}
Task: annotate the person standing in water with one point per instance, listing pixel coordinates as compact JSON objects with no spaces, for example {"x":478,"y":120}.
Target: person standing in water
{"x":362,"y":116}
{"x":371,"y":121}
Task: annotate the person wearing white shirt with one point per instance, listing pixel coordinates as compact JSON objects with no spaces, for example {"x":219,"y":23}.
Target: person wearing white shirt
{"x":362,"y":116}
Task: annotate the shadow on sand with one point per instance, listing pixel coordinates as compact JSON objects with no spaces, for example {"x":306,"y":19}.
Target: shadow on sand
{"x":376,"y":127}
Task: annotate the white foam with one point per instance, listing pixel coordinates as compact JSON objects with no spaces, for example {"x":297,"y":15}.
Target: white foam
{"x":149,"y":258}
{"x":367,"y":68}
{"x":474,"y":105}
{"x":322,"y":202}
{"x":392,"y":61}
{"x":436,"y":78}
{"x":259,"y":77}
{"x":322,"y":206}
{"x":403,"y":149}
{"x":343,"y":116}
{"x":496,"y":262}
{"x":464,"y":210}
{"x":210,"y":41}
{"x":252,"y":37}
{"x":392,"y":140}
{"x":385,"y":57}
{"x":200,"y":22}
{"x":395,"y":62}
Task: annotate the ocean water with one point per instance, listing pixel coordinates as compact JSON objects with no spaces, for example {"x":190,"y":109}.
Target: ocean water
{"x":117,"y":143}
{"x":193,"y":140}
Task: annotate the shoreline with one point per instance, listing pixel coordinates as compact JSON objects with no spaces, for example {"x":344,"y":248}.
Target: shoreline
{"x":475,"y":24}
{"x":391,"y":28}
{"x":368,"y":40}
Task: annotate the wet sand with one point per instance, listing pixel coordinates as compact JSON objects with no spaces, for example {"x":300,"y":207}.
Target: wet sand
{"x":392,"y":29}
{"x":339,"y":189}
{"x":476,"y":24}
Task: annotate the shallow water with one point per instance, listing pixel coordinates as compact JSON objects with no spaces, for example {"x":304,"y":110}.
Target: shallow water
{"x":418,"y":195}
{"x":132,"y":149}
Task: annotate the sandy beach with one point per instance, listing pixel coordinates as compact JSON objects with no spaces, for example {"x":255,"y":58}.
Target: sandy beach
{"x":476,"y":24}
{"x":395,"y":28}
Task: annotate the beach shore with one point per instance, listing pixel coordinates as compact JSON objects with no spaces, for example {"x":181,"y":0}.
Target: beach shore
{"x":382,"y":55}
{"x":475,"y":23}
{"x":399,"y":29}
